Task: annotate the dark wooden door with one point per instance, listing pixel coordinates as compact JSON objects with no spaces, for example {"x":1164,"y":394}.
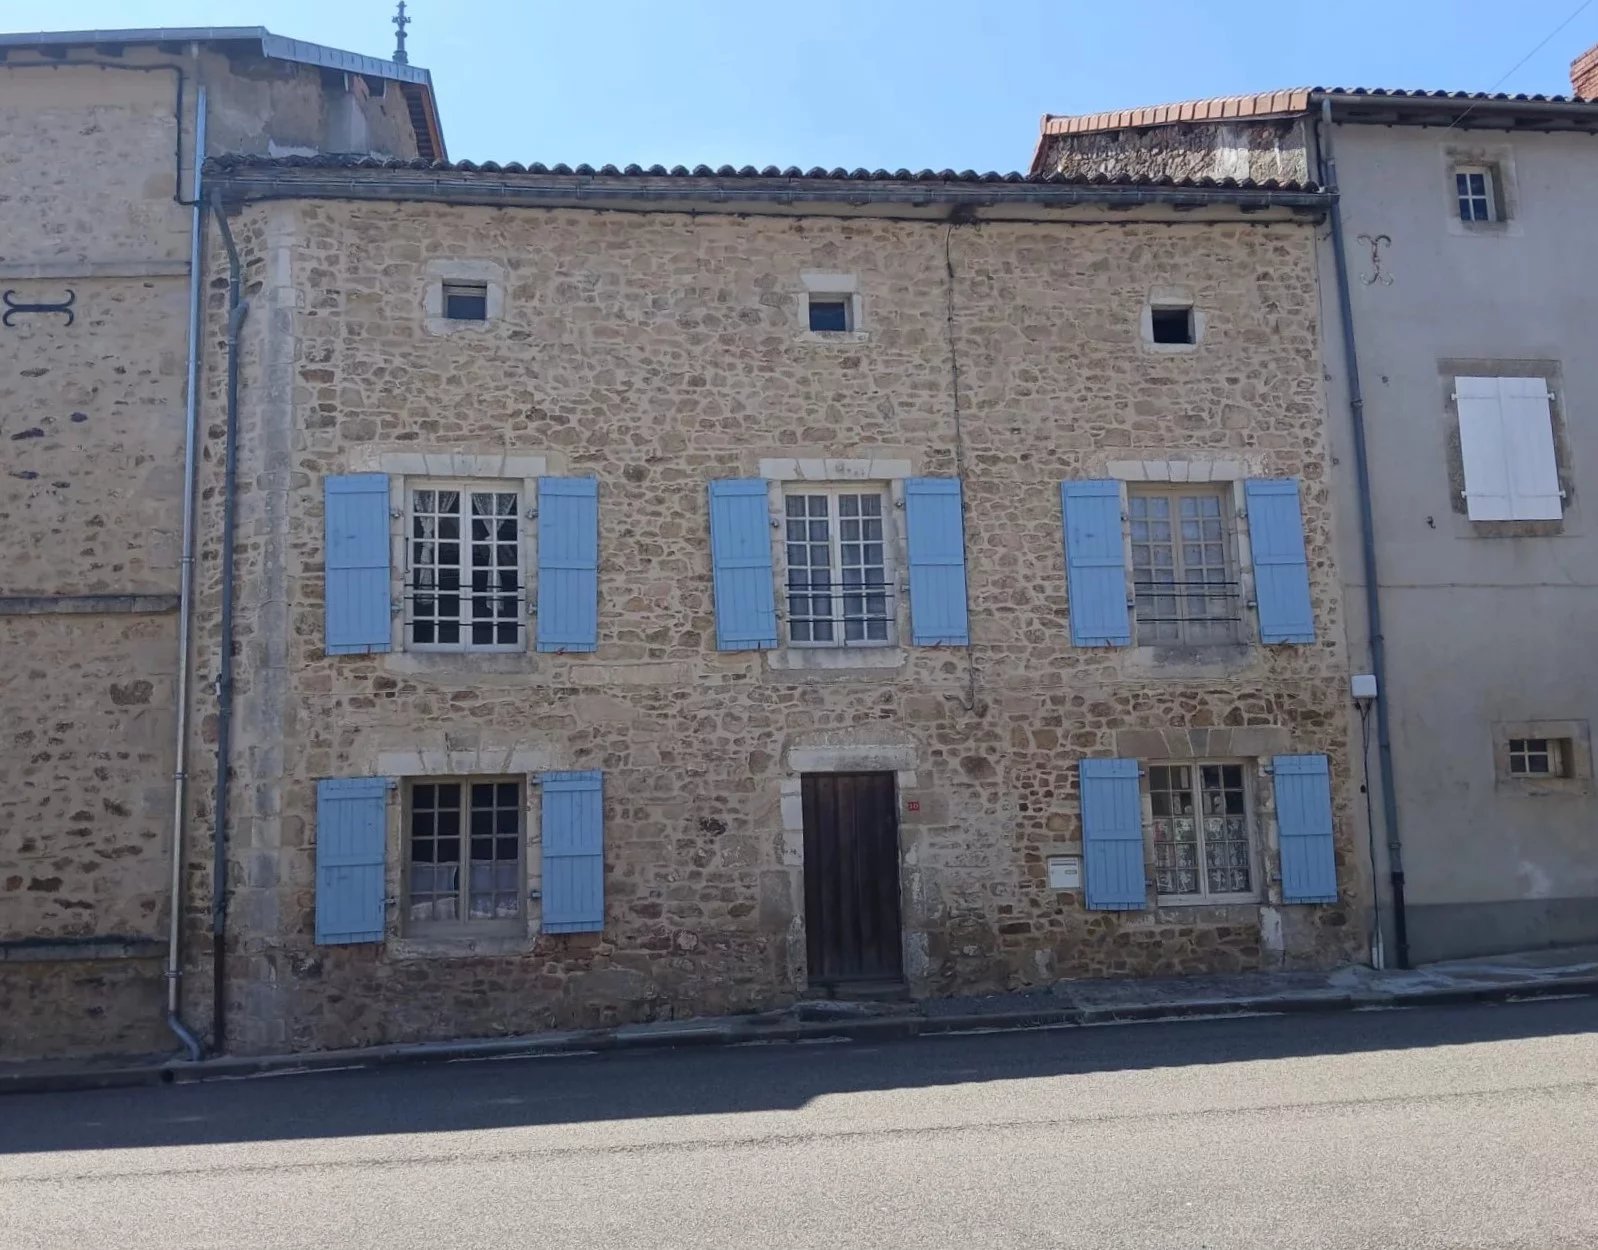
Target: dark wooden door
{"x":851,"y":877}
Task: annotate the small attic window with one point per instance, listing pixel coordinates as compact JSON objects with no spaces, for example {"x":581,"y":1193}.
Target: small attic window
{"x":1173,"y":324}
{"x":466,"y":301}
{"x":830,"y":314}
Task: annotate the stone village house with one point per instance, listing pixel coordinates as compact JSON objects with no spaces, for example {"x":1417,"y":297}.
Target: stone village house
{"x":663,"y":593}
{"x":668,"y":592}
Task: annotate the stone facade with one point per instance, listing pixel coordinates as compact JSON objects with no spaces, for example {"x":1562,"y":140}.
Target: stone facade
{"x":1273,"y":148}
{"x":657,"y":351}
{"x":95,"y":155}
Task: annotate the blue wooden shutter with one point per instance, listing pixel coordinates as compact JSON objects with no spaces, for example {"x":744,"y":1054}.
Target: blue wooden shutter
{"x":1095,"y":563}
{"x":351,"y":841}
{"x":356,"y":590}
{"x":1112,"y":835}
{"x":1281,"y":573}
{"x":572,"y":831}
{"x":740,"y":555}
{"x":1304,"y":828}
{"x":568,"y":563}
{"x":936,"y":537}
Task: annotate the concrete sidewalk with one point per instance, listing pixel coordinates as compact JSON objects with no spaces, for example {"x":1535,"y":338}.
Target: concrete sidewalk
{"x":1067,"y":1004}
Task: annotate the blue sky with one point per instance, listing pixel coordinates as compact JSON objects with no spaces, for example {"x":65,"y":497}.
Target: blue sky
{"x":940,"y":83}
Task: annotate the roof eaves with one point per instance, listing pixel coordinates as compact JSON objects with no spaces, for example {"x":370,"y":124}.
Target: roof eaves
{"x":245,"y":178}
{"x":278,"y":47}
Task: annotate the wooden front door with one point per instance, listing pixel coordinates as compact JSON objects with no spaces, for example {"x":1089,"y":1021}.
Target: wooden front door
{"x":851,"y":877}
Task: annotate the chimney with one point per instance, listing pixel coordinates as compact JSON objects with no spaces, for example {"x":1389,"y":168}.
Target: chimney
{"x":1584,"y":74}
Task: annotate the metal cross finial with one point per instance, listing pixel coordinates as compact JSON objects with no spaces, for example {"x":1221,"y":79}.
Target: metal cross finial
{"x":400,"y":23}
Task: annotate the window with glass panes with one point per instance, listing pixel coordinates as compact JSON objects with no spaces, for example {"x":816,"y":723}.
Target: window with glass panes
{"x":1202,"y":848}
{"x":838,"y":568}
{"x":1537,"y":757}
{"x":465,"y":842}
{"x":1474,"y":186}
{"x":465,"y":590}
{"x":1184,"y":580}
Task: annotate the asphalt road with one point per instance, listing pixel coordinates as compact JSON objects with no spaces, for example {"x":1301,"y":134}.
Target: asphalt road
{"x":1472,"y":1126}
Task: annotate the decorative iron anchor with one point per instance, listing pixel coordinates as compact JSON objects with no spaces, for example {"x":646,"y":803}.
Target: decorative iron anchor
{"x":13,"y":308}
{"x":1377,"y":242}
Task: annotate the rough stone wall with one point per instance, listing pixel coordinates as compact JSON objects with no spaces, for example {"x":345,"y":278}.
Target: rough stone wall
{"x":1257,"y":150}
{"x":92,"y":432}
{"x":657,"y":352}
{"x":87,"y":164}
{"x":91,"y":501}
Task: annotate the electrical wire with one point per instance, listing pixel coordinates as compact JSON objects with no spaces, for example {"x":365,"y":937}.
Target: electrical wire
{"x":1509,"y":73}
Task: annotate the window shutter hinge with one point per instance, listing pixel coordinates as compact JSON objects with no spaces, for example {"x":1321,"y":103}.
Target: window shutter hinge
{"x":395,"y":514}
{"x":391,"y":900}
{"x":395,"y":607}
{"x":532,"y":514}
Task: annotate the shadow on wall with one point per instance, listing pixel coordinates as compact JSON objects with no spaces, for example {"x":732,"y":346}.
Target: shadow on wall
{"x":622,"y":1086}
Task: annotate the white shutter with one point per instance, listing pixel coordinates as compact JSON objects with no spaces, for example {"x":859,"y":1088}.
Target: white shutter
{"x":1481,"y":447}
{"x":1529,"y":450}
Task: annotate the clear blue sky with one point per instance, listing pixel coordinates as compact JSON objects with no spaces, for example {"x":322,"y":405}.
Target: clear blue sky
{"x":940,"y":83}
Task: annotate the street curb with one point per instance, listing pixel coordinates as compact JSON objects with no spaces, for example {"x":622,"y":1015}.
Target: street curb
{"x":763,"y":1029}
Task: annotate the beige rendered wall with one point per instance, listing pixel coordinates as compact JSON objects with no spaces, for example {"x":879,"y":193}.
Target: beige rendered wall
{"x":657,"y":352}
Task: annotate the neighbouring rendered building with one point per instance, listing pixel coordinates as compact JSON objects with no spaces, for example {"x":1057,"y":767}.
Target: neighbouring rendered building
{"x":630,"y":594}
{"x":1467,"y":227}
{"x":97,"y":158}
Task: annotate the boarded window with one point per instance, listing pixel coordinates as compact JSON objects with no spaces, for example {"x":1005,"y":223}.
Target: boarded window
{"x":1506,"y":445}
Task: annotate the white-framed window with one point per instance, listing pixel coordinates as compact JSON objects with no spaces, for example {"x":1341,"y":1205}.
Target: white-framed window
{"x":1476,"y":189}
{"x":839,"y":589}
{"x":1507,"y":450}
{"x":1539,"y":757}
{"x":464,"y":840}
{"x":1184,"y":564}
{"x":465,"y":575}
{"x":1202,"y":829}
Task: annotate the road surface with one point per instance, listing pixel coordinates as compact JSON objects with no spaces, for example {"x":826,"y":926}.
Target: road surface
{"x":1471,"y":1126}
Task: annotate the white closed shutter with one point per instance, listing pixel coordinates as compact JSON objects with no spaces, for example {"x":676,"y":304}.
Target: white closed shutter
{"x":1529,"y":450}
{"x":1506,"y":441}
{"x":1481,"y":446}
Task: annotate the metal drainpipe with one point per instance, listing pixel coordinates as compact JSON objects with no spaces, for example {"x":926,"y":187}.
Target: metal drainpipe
{"x":180,"y":753}
{"x":1367,"y":541}
{"x":237,"y":310}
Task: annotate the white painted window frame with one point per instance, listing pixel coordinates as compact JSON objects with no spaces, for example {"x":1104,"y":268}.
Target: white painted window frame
{"x":1226,"y":492}
{"x":1257,"y":848}
{"x":526,"y":542}
{"x":463,"y":927}
{"x":891,"y":578}
{"x":1492,"y":194}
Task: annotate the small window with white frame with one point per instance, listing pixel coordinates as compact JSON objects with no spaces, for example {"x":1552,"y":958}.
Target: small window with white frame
{"x":465,"y":586}
{"x":1202,"y":830}
{"x":1476,"y":189}
{"x":839,"y":566}
{"x":1184,"y":566}
{"x":464,"y":843}
{"x":1539,"y":757}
